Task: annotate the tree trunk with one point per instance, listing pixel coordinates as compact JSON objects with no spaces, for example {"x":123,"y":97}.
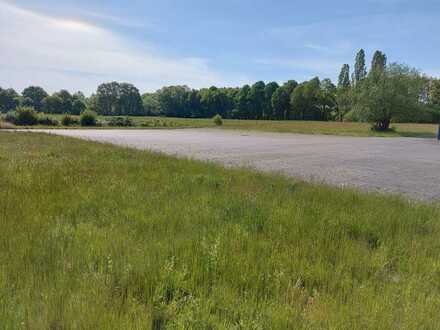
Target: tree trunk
{"x":382,"y":125}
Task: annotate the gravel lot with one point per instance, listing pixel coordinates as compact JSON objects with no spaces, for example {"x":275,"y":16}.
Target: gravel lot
{"x":407,"y":166}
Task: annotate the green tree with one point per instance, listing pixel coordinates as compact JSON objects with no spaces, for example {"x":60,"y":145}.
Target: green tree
{"x":280,"y":104}
{"x":194,"y":104}
{"x":434,"y":92}
{"x":107,"y":96}
{"x":9,"y":99}
{"x":269,"y":90}
{"x":118,"y":99}
{"x":243,"y":104}
{"x":151,"y":104}
{"x":129,"y":101}
{"x":257,"y":100}
{"x":389,"y":94}
{"x":66,"y":101}
{"x":79,"y":103}
{"x":298,"y":102}
{"x":215,"y":101}
{"x":231,"y":97}
{"x":34,"y":96}
{"x":305,"y":101}
{"x":344,"y":77}
{"x":52,"y":104}
{"x":80,"y":96}
{"x":327,"y":99}
{"x":92,"y":103}
{"x":343,"y":93}
{"x":378,"y":64}
{"x":173,"y":100}
{"x":343,"y":102}
{"x":360,"y":70}
{"x":290,"y":86}
{"x":313,"y":100}
{"x":78,"y":106}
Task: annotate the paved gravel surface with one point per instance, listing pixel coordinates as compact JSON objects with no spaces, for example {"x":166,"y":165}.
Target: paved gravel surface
{"x":407,"y":166}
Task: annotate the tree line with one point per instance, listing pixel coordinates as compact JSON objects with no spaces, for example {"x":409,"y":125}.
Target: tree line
{"x":384,"y":93}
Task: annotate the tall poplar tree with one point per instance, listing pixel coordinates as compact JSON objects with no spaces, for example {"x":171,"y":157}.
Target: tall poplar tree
{"x":360,"y":71}
{"x":379,"y":62}
{"x":344,"y":77}
{"x":343,"y":93}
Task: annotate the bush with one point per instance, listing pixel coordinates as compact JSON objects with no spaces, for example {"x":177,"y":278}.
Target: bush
{"x":10,"y":117}
{"x":156,"y":123}
{"x":218,"y":120}
{"x":25,"y":116}
{"x":47,"y":121}
{"x":68,"y":120}
{"x":120,"y":122}
{"x":88,"y":118}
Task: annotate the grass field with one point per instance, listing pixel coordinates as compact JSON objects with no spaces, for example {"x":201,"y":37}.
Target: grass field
{"x":332,"y":128}
{"x":95,"y":236}
{"x":304,"y":127}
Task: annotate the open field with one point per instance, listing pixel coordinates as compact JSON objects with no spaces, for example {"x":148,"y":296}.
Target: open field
{"x":302,"y":127}
{"x":96,"y":236}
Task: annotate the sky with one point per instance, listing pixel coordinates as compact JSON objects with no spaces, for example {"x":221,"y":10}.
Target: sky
{"x":78,"y":44}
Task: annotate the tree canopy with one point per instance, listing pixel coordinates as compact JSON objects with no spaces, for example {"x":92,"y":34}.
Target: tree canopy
{"x":388,"y":94}
{"x":385,"y":93}
{"x":116,"y":99}
{"x":34,"y":96}
{"x":9,"y":99}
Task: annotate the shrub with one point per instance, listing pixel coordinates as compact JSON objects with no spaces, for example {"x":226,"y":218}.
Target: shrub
{"x":120,"y":122}
{"x":47,"y":121}
{"x":88,"y":118}
{"x":158,"y":123}
{"x":218,"y":120}
{"x":10,"y":117}
{"x":68,"y":120}
{"x":146,"y":123}
{"x":26,"y":116}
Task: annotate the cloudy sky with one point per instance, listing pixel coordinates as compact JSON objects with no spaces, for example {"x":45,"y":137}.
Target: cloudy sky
{"x":77,"y":44}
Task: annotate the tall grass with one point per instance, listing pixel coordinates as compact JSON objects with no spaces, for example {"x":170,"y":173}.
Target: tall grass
{"x":95,"y":236}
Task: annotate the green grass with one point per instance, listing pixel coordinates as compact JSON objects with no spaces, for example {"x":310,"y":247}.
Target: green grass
{"x":303,"y":127}
{"x":333,"y":128}
{"x":96,"y":236}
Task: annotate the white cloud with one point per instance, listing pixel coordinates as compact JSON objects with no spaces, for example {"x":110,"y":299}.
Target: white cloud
{"x":60,"y":53}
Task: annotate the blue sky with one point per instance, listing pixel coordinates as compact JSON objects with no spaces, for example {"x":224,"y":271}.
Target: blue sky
{"x":78,"y":44}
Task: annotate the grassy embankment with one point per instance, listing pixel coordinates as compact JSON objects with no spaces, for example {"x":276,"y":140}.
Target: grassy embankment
{"x":95,"y":236}
{"x":304,"y":127}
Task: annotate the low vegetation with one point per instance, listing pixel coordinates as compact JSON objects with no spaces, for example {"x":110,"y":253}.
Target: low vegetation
{"x":120,"y":122}
{"x":218,"y":120}
{"x":68,"y":120}
{"x":88,"y":118}
{"x":22,"y":116}
{"x":303,"y":127}
{"x":95,"y":236}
